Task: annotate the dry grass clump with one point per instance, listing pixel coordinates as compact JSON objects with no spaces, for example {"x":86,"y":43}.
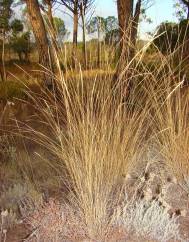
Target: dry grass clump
{"x":19,"y":195}
{"x":7,"y":220}
{"x":7,"y":149}
{"x":148,"y":220}
{"x":169,"y":111}
{"x":174,"y":139}
{"x":97,"y":132}
{"x":97,"y":139}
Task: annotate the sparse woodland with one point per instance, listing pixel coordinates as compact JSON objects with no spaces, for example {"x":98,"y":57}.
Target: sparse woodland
{"x":94,"y":123}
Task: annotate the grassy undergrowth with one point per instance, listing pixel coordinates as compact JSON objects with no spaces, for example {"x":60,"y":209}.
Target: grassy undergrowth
{"x":98,"y":133}
{"x":11,"y":89}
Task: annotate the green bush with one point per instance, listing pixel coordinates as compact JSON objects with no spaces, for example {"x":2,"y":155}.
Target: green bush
{"x":21,"y":45}
{"x":170,"y":36}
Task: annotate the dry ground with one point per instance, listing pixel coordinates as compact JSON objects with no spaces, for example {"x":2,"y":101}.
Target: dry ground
{"x":156,"y":183}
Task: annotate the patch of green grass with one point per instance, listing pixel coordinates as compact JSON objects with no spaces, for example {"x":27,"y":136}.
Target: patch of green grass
{"x":11,"y":89}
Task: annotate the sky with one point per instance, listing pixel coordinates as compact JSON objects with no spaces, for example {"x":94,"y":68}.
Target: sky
{"x":159,"y":11}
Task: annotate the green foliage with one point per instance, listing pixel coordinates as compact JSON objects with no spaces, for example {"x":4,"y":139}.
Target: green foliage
{"x":107,"y":26}
{"x":21,"y":45}
{"x":166,"y":36}
{"x":181,"y":9}
{"x":60,"y":28}
{"x":11,"y":89}
{"x":17,"y":26}
{"x":170,"y":35}
{"x":97,"y":24}
{"x":111,"y":23}
{"x":5,"y":14}
{"x":144,"y":16}
{"x":20,"y":41}
{"x":112,"y":37}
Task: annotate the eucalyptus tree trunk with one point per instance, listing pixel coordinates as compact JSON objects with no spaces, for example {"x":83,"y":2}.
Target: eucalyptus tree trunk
{"x":42,"y":42}
{"x":125,"y":14}
{"x":52,"y":25}
{"x":84,"y":35}
{"x":3,"y":72}
{"x":99,"y":44}
{"x":75,"y":33}
{"x":135,"y":24}
{"x":128,"y":25}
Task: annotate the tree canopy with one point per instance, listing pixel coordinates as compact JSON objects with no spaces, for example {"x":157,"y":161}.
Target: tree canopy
{"x":5,"y":14}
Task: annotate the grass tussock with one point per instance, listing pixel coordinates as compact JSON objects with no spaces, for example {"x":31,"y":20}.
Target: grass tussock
{"x":97,"y":138}
{"x":149,"y":220}
{"x":97,"y":131}
{"x":173,"y":137}
{"x":168,"y":98}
